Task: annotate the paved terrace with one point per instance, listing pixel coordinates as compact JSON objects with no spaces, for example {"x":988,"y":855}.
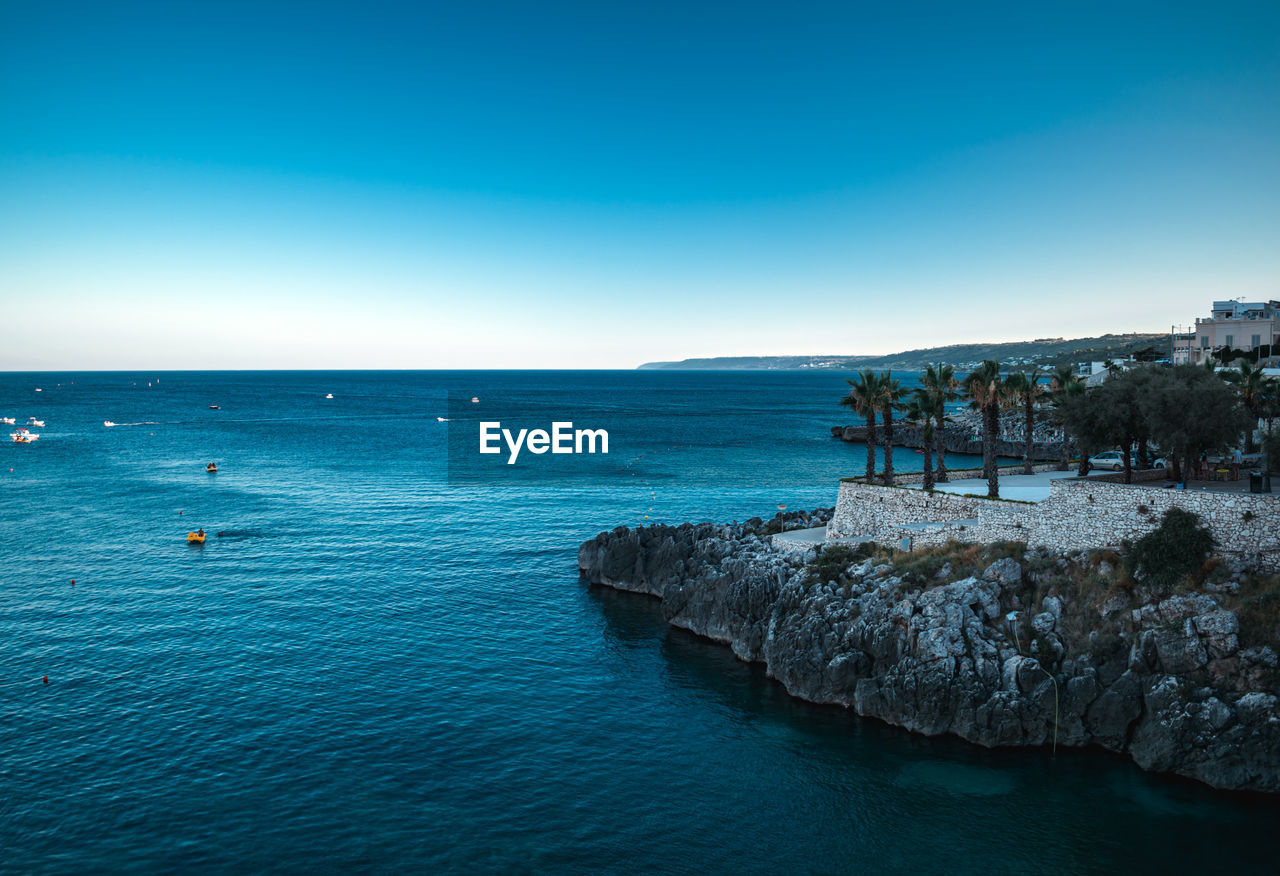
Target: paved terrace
{"x":1035,"y":487}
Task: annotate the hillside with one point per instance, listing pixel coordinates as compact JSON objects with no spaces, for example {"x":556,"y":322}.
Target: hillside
{"x":1043,"y":351}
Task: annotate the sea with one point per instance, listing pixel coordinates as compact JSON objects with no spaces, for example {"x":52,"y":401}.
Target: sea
{"x":382,"y":657}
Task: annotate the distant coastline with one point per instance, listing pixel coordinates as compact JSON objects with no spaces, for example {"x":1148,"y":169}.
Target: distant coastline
{"x":1042,"y":351}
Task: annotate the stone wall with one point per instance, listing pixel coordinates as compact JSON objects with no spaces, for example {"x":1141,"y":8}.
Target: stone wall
{"x":865,"y":509}
{"x":1079,"y":514}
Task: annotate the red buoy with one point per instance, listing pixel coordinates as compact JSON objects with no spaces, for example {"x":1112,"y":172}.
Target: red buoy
{"x":73,"y":582}
{"x":46,"y":679}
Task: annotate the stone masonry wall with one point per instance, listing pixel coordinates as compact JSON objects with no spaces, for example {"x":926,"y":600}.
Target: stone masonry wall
{"x":1077,"y":515}
{"x":865,"y":509}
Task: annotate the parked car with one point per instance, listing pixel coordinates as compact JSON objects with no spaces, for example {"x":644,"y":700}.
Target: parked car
{"x":1112,"y":459}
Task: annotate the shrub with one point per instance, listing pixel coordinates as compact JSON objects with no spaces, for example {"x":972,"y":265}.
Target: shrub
{"x":1178,"y":547}
{"x":835,"y":559}
{"x":1260,"y":619}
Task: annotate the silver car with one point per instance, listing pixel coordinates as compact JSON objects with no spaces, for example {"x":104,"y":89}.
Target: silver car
{"x":1112,"y":459}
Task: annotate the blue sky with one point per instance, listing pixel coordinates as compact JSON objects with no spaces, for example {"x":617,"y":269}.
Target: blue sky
{"x":601,"y":184}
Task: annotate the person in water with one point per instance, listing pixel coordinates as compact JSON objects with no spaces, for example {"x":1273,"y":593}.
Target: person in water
{"x":200,"y":532}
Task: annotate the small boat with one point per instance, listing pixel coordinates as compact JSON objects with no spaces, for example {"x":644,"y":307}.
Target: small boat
{"x":23,"y":436}
{"x":211,"y":468}
{"x":8,"y":421}
{"x":34,"y":422}
{"x":38,"y":389}
{"x":214,"y":408}
{"x":474,"y":400}
{"x":330,"y":395}
{"x":442,"y":419}
{"x":108,"y":423}
{"x":195,"y":537}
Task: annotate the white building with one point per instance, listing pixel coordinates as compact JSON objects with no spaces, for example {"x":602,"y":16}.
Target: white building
{"x":1241,"y":325}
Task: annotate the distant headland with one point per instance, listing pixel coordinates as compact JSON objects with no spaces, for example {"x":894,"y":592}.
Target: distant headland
{"x":1048,"y":352}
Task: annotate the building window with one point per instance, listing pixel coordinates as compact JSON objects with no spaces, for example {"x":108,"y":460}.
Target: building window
{"x":1255,"y":342}
{"x":1231,"y":340}
{"x":1204,"y":342}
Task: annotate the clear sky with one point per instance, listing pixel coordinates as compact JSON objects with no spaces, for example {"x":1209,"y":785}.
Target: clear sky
{"x":597,"y":184}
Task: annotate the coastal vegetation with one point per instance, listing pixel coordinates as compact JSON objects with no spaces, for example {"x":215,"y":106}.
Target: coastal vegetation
{"x":938,"y":383}
{"x":890,"y":398}
{"x":1180,"y":411}
{"x":1063,"y":383}
{"x":863,"y":400}
{"x":1176,"y":548}
{"x":919,"y":411}
{"x":1025,"y":389}
{"x":1186,"y":410}
{"x":986,"y":391}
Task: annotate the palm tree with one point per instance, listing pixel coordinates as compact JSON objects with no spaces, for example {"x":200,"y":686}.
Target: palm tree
{"x":940,"y":382}
{"x":986,"y":391}
{"x":1250,"y":382}
{"x":1270,"y":401}
{"x":890,"y":397}
{"x":862,"y":398}
{"x":920,"y":410}
{"x":1061,"y":383}
{"x":1025,"y":390}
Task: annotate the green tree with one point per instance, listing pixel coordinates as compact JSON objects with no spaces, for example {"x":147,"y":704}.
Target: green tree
{"x":1064,"y":380}
{"x":1025,"y":390}
{"x":1122,"y":419}
{"x":1189,"y":410}
{"x":920,"y":410}
{"x":1084,"y":420}
{"x":986,"y":392}
{"x":940,"y":382}
{"x":863,"y":400}
{"x":1250,"y":383}
{"x":889,"y":399}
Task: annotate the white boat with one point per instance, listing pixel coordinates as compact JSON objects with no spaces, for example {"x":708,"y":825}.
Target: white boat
{"x":38,"y":389}
{"x":330,"y":395}
{"x":37,"y":423}
{"x":475,"y":401}
{"x":8,"y":421}
{"x":108,"y":423}
{"x":442,"y":419}
{"x":22,"y":436}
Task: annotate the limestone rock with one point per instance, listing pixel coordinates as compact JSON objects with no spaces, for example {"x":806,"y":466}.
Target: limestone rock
{"x":1167,"y":684}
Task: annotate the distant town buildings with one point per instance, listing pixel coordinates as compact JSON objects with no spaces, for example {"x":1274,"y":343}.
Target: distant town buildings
{"x":1240,"y":325}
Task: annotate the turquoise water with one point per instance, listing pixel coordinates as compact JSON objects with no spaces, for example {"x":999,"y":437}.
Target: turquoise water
{"x":379,"y":666}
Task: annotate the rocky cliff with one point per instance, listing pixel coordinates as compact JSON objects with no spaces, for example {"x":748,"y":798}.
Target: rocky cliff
{"x":1024,"y":649}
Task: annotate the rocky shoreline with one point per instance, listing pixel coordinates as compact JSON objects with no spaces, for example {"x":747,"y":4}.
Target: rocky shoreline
{"x":999,"y":645}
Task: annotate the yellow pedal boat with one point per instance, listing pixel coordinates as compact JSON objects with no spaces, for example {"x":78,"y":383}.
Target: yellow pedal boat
{"x":195,"y":537}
